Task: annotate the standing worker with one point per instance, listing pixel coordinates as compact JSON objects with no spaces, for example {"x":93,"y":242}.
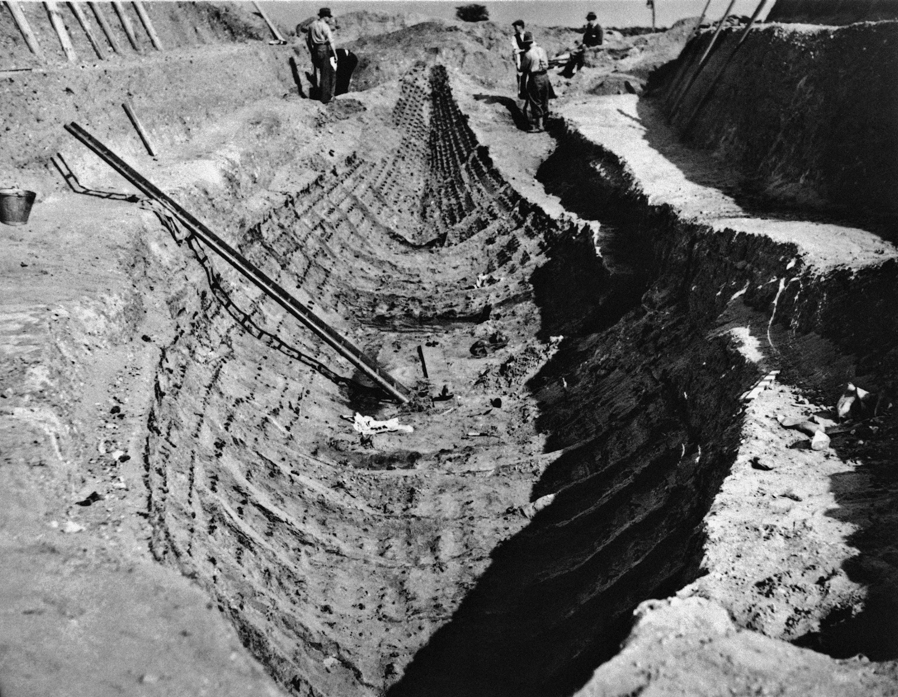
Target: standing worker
{"x":593,"y":35}
{"x":320,"y":41}
{"x":517,"y":48}
{"x":538,"y":88}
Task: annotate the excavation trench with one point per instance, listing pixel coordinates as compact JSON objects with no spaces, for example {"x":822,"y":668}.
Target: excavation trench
{"x":501,"y":547}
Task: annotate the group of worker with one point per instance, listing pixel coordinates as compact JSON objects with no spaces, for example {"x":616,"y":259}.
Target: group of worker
{"x":532,"y":64}
{"x":530,"y":59}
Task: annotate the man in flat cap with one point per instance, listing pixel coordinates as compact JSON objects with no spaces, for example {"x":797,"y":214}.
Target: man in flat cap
{"x":593,"y":35}
{"x":537,"y":87}
{"x":320,"y":40}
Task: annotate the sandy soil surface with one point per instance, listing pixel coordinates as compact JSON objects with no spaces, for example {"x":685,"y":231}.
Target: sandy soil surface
{"x":618,"y":436}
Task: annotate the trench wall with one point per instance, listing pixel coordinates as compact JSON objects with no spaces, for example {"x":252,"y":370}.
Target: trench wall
{"x":833,"y":11}
{"x":809,"y":115}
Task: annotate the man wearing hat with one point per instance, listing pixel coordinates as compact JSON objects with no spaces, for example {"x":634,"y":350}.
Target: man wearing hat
{"x":320,"y":40}
{"x":537,"y":87}
{"x":592,"y":36}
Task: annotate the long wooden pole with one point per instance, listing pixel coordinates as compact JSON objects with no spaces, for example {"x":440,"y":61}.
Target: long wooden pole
{"x":701,"y":61}
{"x":713,"y":84}
{"x":78,"y":11}
{"x":138,"y":126}
{"x":274,"y":30}
{"x":104,"y":25}
{"x":19,"y":18}
{"x":147,"y":24}
{"x":253,"y":274}
{"x":126,"y":24}
{"x":59,"y":27}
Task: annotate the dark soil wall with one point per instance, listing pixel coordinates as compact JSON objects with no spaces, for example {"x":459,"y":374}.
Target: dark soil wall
{"x":810,"y":116}
{"x":833,"y":11}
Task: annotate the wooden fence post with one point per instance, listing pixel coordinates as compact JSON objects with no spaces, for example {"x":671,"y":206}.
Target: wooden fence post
{"x":59,"y":27}
{"x":19,"y":18}
{"x":126,"y":24}
{"x":78,"y":11}
{"x":145,"y":20}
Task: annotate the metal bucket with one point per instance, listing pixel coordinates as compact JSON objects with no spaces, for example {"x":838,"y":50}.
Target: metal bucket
{"x":15,"y":206}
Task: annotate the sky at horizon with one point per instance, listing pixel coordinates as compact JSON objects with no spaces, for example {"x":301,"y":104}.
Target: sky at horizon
{"x":612,"y":13}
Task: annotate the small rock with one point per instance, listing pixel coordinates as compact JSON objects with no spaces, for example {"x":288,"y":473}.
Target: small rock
{"x":761,"y":464}
{"x":72,"y":527}
{"x":149,"y":678}
{"x":90,"y":499}
{"x":330,"y":662}
{"x":146,"y":338}
{"x":820,"y":441}
{"x":115,"y":410}
{"x":497,"y":402}
{"x":123,"y":458}
{"x":542,"y":502}
{"x":117,"y":454}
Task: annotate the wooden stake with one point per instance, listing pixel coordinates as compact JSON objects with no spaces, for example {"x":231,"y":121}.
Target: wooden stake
{"x":59,"y":27}
{"x":19,"y":18}
{"x":126,"y":24}
{"x":78,"y":11}
{"x":145,"y":20}
{"x":104,"y":25}
{"x":138,"y":126}
{"x":274,"y":31}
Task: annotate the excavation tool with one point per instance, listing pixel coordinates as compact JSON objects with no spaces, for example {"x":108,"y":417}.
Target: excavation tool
{"x":256,"y":276}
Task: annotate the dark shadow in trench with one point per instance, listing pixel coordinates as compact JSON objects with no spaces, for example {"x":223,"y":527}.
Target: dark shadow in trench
{"x":636,"y":473}
{"x":520,"y":119}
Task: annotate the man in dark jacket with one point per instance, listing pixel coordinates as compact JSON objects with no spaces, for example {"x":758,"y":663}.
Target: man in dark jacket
{"x":593,"y":35}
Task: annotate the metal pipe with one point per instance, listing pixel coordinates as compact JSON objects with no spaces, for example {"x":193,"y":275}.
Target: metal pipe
{"x":126,"y":24}
{"x":147,"y":24}
{"x":256,"y":276}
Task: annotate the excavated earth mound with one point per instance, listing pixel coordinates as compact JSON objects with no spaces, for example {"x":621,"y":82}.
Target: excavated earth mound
{"x":604,"y":337}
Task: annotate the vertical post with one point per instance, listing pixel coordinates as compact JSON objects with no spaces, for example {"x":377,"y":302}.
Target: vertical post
{"x":104,"y":25}
{"x":126,"y":24}
{"x":716,"y":32}
{"x":274,"y":31}
{"x":138,"y":126}
{"x":78,"y":11}
{"x":701,"y":18}
{"x":19,"y":18}
{"x":145,"y":20}
{"x":59,"y":27}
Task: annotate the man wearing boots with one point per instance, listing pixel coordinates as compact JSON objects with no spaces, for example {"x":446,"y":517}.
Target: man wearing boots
{"x":537,"y":87}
